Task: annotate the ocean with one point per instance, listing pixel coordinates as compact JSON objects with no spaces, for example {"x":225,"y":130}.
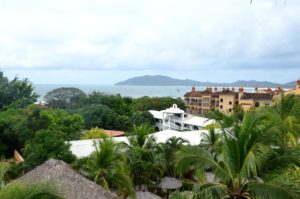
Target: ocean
{"x":130,"y":91}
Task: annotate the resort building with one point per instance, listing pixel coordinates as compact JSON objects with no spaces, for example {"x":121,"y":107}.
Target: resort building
{"x":200,"y":102}
{"x":295,"y":91}
{"x":257,"y":99}
{"x":176,"y":119}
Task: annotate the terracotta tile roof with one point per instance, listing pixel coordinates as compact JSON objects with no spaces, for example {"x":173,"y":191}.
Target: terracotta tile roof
{"x":257,"y":96}
{"x":206,"y":92}
{"x":113,"y":133}
{"x":227,"y":92}
{"x":193,"y":94}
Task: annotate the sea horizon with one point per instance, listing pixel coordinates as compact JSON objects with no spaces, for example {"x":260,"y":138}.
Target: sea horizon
{"x":126,"y":90}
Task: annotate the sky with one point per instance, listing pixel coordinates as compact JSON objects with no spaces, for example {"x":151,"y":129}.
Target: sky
{"x":106,"y":41}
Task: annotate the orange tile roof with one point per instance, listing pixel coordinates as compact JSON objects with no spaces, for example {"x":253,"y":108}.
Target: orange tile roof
{"x":113,"y":133}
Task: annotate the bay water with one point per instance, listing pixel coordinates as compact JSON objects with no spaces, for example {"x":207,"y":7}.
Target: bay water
{"x":130,"y":91}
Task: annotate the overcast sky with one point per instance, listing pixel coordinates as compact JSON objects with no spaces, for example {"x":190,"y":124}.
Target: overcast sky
{"x":106,"y":41}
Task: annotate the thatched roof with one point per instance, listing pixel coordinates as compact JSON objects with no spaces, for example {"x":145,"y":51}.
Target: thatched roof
{"x":170,"y":183}
{"x":67,"y":181}
{"x":145,"y":195}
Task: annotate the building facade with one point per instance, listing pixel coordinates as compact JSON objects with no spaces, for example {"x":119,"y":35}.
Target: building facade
{"x":295,"y":91}
{"x":176,"y":119}
{"x":201,"y":102}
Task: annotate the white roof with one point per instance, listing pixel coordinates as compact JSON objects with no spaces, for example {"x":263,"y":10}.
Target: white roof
{"x":198,"y":121}
{"x":83,"y":148}
{"x":157,"y":114}
{"x":174,"y":109}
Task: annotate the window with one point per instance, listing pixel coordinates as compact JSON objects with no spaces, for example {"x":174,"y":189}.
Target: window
{"x":230,"y":110}
{"x":230,"y":102}
{"x":256,"y":104}
{"x":221,"y":100}
{"x":196,"y":128}
{"x":221,"y":107}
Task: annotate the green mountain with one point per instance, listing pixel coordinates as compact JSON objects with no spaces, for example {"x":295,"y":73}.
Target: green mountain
{"x":161,"y":80}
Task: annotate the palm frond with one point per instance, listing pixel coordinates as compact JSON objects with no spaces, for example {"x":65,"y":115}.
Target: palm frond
{"x":37,"y":191}
{"x":271,"y":191}
{"x":210,"y":191}
{"x":192,"y":157}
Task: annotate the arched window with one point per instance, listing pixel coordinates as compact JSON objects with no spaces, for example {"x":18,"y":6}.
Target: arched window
{"x":256,"y":104}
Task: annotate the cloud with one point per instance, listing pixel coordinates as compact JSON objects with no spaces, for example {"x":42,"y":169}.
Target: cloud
{"x":157,"y":36}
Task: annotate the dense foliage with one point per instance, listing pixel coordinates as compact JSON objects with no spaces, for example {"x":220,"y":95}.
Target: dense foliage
{"x":109,"y":111}
{"x":94,"y":133}
{"x":64,"y":97}
{"x":252,"y":155}
{"x":256,"y":155}
{"x":15,"y":93}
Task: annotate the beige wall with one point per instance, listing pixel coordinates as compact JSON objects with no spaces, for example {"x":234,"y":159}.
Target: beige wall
{"x":225,"y":106}
{"x":248,"y":104}
{"x":294,"y":92}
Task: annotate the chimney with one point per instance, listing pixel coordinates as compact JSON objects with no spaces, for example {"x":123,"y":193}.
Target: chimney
{"x":216,"y":89}
{"x":256,"y":89}
{"x":193,"y":89}
{"x":232,"y":89}
{"x":279,"y":89}
{"x":298,"y":84}
{"x":223,"y":89}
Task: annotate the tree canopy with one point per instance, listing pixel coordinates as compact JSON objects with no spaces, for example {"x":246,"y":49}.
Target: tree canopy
{"x":64,"y":97}
{"x":16,"y":93}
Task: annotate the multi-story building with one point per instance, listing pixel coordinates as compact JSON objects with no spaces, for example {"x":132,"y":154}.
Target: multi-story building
{"x":257,"y":99}
{"x":176,"y":119}
{"x":200,"y":102}
{"x":295,"y":91}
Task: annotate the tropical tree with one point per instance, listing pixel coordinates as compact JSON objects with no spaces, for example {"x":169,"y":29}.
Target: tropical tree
{"x":212,"y":140}
{"x":145,"y":162}
{"x":17,"y":190}
{"x":285,"y":115}
{"x":106,"y":166}
{"x":47,"y":144}
{"x":157,"y":103}
{"x":141,"y":136}
{"x":168,"y":149}
{"x":64,"y":97}
{"x":16,"y":93}
{"x":248,"y":163}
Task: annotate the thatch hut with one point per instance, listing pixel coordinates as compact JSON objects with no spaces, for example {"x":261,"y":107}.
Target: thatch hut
{"x":145,"y":195}
{"x":71,"y":184}
{"x":170,"y":183}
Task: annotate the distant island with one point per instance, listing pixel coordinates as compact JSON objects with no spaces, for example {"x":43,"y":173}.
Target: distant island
{"x":161,"y":80}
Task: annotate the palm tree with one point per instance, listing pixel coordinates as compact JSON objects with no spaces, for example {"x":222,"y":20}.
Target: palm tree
{"x":168,"y":149}
{"x":212,"y":140}
{"x":17,"y":190}
{"x":146,"y":166}
{"x":141,"y":137}
{"x":145,"y":162}
{"x":106,"y":166}
{"x":285,"y":114}
{"x":247,"y":163}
